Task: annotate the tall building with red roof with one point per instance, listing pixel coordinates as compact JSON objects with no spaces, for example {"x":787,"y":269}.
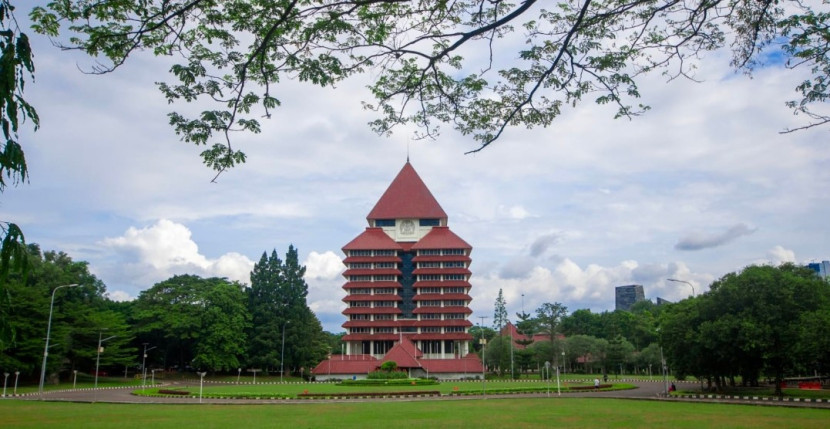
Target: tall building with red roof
{"x":407,"y":287}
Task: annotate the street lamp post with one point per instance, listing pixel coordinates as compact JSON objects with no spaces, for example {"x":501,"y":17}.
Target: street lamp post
{"x":153,"y":377}
{"x":98,"y":355}
{"x":665,"y":374}
{"x":282,"y":353}
{"x":483,"y":342}
{"x":16,"y":376}
{"x":558,"y":386}
{"x":48,"y":332}
{"x":74,"y":377}
{"x":547,"y":375}
{"x":5,"y":379}
{"x":201,"y":384}
{"x":144,"y":365}
{"x":684,"y":281}
{"x":238,"y":374}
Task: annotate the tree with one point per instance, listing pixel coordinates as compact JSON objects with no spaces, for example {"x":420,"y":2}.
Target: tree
{"x":549,"y":317}
{"x":750,"y":323}
{"x":526,"y":325}
{"x":539,"y":58}
{"x":582,"y":322}
{"x":479,"y":333}
{"x":497,"y":354}
{"x":619,"y":352}
{"x":17,"y":66}
{"x":277,"y":303}
{"x":79,"y":314}
{"x":583,"y":346}
{"x":500,"y":313}
{"x":267,"y":309}
{"x":226,"y":317}
{"x":194,"y":320}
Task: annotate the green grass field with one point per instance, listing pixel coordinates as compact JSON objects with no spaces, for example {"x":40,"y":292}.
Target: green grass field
{"x":471,"y":413}
{"x":294,"y":389}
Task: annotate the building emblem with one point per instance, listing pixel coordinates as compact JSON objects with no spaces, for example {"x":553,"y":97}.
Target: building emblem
{"x":408,"y":227}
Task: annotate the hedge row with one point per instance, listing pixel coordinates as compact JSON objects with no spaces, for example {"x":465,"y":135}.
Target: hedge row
{"x":368,"y":394}
{"x":394,"y":382}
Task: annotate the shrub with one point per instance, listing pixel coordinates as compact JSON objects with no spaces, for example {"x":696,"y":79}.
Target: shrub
{"x":383,"y":375}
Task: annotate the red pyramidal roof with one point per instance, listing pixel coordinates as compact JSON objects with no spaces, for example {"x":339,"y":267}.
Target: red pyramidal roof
{"x":440,"y":237}
{"x":407,"y":197}
{"x":372,"y":239}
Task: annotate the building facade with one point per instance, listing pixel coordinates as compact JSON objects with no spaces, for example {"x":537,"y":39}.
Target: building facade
{"x":407,"y":288}
{"x":821,"y":268}
{"x":626,"y":296}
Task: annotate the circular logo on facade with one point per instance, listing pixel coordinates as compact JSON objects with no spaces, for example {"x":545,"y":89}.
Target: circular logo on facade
{"x":408,"y":227}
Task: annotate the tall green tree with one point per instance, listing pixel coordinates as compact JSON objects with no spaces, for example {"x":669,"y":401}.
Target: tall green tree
{"x":281,"y":316}
{"x":268,"y":313}
{"x":543,"y":57}
{"x":582,"y":322}
{"x":225,"y":318}
{"x":193,"y":320}
{"x":497,"y":354}
{"x":549,"y":316}
{"x":500,"y":314}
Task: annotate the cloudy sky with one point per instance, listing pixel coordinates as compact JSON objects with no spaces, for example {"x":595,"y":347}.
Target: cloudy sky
{"x":702,"y":185}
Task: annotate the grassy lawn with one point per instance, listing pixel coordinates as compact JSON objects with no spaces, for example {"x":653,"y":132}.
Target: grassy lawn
{"x":768,"y":392}
{"x":478,"y":413}
{"x":83,"y":383}
{"x":292,"y":390}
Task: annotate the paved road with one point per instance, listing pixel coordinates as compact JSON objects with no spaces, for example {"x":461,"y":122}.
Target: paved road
{"x":645,"y":391}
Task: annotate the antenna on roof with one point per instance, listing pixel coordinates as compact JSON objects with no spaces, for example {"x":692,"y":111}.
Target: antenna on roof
{"x":407,"y":150}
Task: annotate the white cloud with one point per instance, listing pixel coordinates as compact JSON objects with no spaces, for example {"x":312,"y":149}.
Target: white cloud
{"x":119,"y":296}
{"x":324,"y":266}
{"x":513,"y":212}
{"x":779,"y":255}
{"x":144,"y":256}
{"x":590,"y":287}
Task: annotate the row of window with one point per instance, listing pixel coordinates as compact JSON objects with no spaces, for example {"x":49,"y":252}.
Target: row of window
{"x":424,"y":330}
{"x":368,"y":304}
{"x":441,"y":277}
{"x":422,"y":222}
{"x":445,"y":252}
{"x":372,"y":253}
{"x":369,"y":265}
{"x":447,"y":303}
{"x":437,"y":290}
{"x":368,"y":291}
{"x":420,"y":277}
{"x":377,"y":278}
{"x":426,"y":316}
{"x":435,"y":303}
{"x":451,"y":264}
{"x":368,"y":317}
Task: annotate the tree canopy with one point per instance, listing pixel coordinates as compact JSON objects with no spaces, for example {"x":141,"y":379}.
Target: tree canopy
{"x":479,"y":66}
{"x":752,"y":323}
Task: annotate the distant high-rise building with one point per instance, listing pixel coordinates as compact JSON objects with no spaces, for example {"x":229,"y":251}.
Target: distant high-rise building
{"x":821,"y":268}
{"x":626,"y":296}
{"x":661,"y":301}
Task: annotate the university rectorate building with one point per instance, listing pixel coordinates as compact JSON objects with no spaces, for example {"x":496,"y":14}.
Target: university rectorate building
{"x":407,"y":291}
